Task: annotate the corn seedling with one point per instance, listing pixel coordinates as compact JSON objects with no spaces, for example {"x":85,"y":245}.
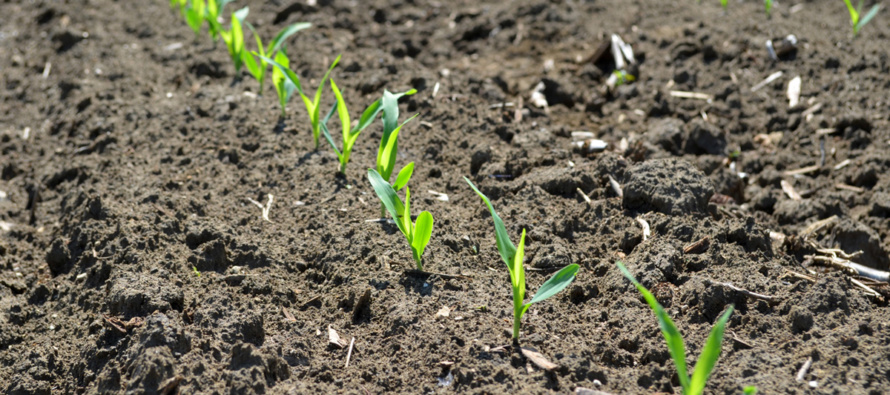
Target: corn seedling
{"x":694,"y":385}
{"x":257,"y":67}
{"x":283,"y":86}
{"x":234,"y":38}
{"x":194,"y":15}
{"x":513,"y":257}
{"x":725,"y":4}
{"x":854,"y":15}
{"x":312,"y":105}
{"x":214,"y":8}
{"x":389,"y":143}
{"x":768,"y":7}
{"x":417,"y":233}
{"x":350,"y":134}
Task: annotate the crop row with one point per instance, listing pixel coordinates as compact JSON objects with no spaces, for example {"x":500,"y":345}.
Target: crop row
{"x":419,"y":232}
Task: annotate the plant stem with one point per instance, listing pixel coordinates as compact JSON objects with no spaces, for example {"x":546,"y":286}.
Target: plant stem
{"x":382,"y":211}
{"x":516,"y":321}
{"x":417,"y":259}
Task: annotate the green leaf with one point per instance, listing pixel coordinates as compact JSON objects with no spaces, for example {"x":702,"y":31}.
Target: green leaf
{"x":750,"y":390}
{"x":868,"y":16}
{"x":386,"y":156}
{"x":241,"y":14}
{"x":341,"y":110}
{"x":283,"y":86}
{"x":390,"y":103}
{"x":557,"y":283}
{"x":404,"y":176}
{"x":671,"y":334}
{"x":505,"y":246}
{"x":327,"y":136}
{"x":212,"y":8}
{"x":250,"y":63}
{"x":518,"y":272}
{"x":367,"y":117}
{"x":283,"y":35}
{"x":386,"y":153}
{"x":423,"y":230}
{"x":388,"y":197}
{"x":235,"y":40}
{"x":709,"y":355}
{"x":406,"y":216}
{"x":195,"y":15}
{"x":317,"y":98}
{"x":286,"y":72}
{"x":854,"y":15}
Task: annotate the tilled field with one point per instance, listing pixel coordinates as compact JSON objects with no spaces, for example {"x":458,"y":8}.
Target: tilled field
{"x":132,"y":260}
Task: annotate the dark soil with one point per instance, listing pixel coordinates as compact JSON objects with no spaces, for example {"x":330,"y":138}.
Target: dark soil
{"x":130,"y":150}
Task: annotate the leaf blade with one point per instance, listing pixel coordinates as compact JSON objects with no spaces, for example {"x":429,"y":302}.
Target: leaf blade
{"x":556,"y":283}
{"x":668,"y":329}
{"x":505,"y":246}
{"x":388,"y":197}
{"x":284,"y":34}
{"x":868,"y":16}
{"x":404,"y":176}
{"x":709,"y":355}
{"x":423,"y":231}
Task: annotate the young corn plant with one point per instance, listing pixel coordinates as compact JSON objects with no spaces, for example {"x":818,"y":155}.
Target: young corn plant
{"x":257,"y":66}
{"x":418,"y":233}
{"x":389,"y":143}
{"x":313,"y":106}
{"x":214,"y":8}
{"x":194,"y":15}
{"x":234,"y":38}
{"x":768,"y":7}
{"x":350,"y":134}
{"x":513,"y":257}
{"x":694,"y":385}
{"x":283,"y":85}
{"x":854,"y":15}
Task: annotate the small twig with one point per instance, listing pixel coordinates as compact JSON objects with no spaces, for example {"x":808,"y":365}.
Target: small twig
{"x":698,"y":247}
{"x":803,"y":369}
{"x":754,"y":295}
{"x":803,"y":170}
{"x":812,"y":110}
{"x":849,"y":188}
{"x":772,"y":77}
{"x":308,"y":302}
{"x":349,"y":354}
{"x":867,"y":289}
{"x":691,"y":95}
{"x":792,"y":273}
{"x":584,"y":195}
{"x":842,"y":164}
{"x":818,"y":225}
{"x":736,"y":339}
